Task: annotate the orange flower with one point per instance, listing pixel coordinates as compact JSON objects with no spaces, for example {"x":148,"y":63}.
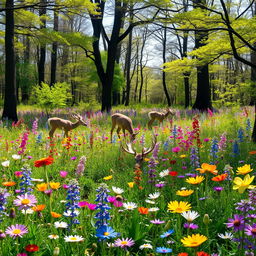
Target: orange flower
{"x":143,"y":210}
{"x":183,"y":254}
{"x":38,"y":208}
{"x":55,"y":215}
{"x":252,"y":152}
{"x":9,"y":183}
{"x":41,"y":187}
{"x":220,"y":177}
{"x":43,"y":161}
{"x":208,"y":168}
{"x":54,"y":185}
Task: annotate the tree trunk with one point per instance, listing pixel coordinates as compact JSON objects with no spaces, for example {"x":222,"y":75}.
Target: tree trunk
{"x":203,"y":97}
{"x":54,"y":50}
{"x":10,"y":98}
{"x":42,"y":49}
{"x":187,"y":91}
{"x":163,"y":73}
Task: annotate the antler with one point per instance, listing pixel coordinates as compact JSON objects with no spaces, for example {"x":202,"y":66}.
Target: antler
{"x":151,"y":148}
{"x":129,"y":148}
{"x":76,"y":116}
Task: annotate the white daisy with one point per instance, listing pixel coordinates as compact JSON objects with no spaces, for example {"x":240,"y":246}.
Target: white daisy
{"x":190,"y":216}
{"x":164,"y":173}
{"x":16,"y":157}
{"x":150,"y":201}
{"x":153,"y":209}
{"x":73,"y":239}
{"x":60,"y":224}
{"x":53,"y":237}
{"x":117,"y":190}
{"x":69,"y":213}
{"x":28,"y":211}
{"x":6,"y":163}
{"x":227,"y":235}
{"x":146,"y":246}
{"x":130,"y":206}
{"x":37,"y":180}
{"x":154,"y":195}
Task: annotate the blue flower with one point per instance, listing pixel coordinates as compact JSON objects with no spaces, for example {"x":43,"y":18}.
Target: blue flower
{"x":167,"y":233}
{"x":106,"y":232}
{"x":163,"y":250}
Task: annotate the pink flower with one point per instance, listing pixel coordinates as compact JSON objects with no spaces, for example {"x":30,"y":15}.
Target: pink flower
{"x":63,"y":174}
{"x":176,"y":149}
{"x":113,"y":200}
{"x":91,"y":206}
{"x":25,"y":201}
{"x":123,"y":243}
{"x":18,"y":174}
{"x":16,"y":230}
{"x":82,"y":204}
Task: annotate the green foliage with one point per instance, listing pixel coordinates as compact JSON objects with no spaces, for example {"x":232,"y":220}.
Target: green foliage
{"x":51,"y":97}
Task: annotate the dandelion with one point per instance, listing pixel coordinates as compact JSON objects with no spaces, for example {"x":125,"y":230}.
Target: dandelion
{"x":73,"y":239}
{"x":194,"y":240}
{"x":108,"y":177}
{"x":124,"y":243}
{"x":25,"y":201}
{"x":16,"y":230}
{"x":178,"y":207}
{"x":243,"y":184}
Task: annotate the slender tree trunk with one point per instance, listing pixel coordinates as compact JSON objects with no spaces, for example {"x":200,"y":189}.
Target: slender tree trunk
{"x":163,"y":73}
{"x":136,"y":67}
{"x":54,"y":50}
{"x":187,"y":90}
{"x":42,"y":49}
{"x":10,"y":98}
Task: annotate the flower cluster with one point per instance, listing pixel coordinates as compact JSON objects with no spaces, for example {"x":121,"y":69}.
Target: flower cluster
{"x":26,"y":184}
{"x":81,"y":166}
{"x":3,"y":202}
{"x":23,"y":143}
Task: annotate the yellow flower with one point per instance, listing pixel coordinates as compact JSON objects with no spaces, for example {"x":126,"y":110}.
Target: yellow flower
{"x":108,"y":177}
{"x":178,"y":207}
{"x":194,"y":240}
{"x":208,"y":168}
{"x":41,"y":187}
{"x":243,"y":184}
{"x":244,"y":169}
{"x":131,"y":184}
{"x":146,"y":159}
{"x":183,"y":156}
{"x":195,"y":181}
{"x":186,"y":192}
{"x":54,"y":185}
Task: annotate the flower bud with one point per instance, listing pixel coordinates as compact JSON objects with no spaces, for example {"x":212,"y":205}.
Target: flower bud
{"x":56,"y":251}
{"x":12,"y":213}
{"x":206,"y":219}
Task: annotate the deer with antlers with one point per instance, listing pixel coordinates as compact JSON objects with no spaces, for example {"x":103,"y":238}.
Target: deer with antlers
{"x":66,"y":125}
{"x":160,"y":116}
{"x":122,"y":122}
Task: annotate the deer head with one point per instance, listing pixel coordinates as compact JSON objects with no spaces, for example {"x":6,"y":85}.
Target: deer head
{"x":79,"y":119}
{"x":139,"y":156}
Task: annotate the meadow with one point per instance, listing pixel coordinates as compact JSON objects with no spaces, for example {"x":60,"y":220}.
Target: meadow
{"x":194,"y":194}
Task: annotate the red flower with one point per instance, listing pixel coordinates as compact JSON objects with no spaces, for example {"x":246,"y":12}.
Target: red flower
{"x":43,"y":161}
{"x":183,"y":254}
{"x":202,"y":254}
{"x":173,"y":173}
{"x":173,"y":161}
{"x":32,"y":248}
{"x":220,"y":177}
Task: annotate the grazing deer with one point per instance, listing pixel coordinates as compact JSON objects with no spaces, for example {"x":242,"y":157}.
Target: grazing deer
{"x":66,"y":125}
{"x":160,"y":116}
{"x":122,"y":122}
{"x":139,"y":157}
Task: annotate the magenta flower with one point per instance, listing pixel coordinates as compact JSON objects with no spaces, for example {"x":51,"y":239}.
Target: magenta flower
{"x":113,"y":200}
{"x":124,"y":243}
{"x":237,"y":223}
{"x":157,"y":221}
{"x":22,"y":254}
{"x":91,"y":206}
{"x":176,"y":149}
{"x":16,"y":230}
{"x":190,"y":226}
{"x":251,"y":230}
{"x":63,"y":174}
{"x":25,"y":201}
{"x":82,"y":204}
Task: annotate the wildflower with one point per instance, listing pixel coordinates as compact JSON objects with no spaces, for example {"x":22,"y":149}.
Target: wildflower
{"x":218,"y":189}
{"x":220,"y":177}
{"x":25,"y":201}
{"x":16,"y":230}
{"x":143,"y":210}
{"x":195,"y":180}
{"x":73,"y":239}
{"x":105,"y":232}
{"x":167,"y":233}
{"x":117,"y":190}
{"x":124,"y":243}
{"x":150,"y":201}
{"x":237,"y":223}
{"x":164,"y":173}
{"x":26,"y":184}
{"x":154,"y":195}
{"x":227,"y":235}
{"x":157,"y":221}
{"x":41,"y":187}
{"x":53,"y":236}
{"x":3,"y":202}
{"x":61,"y":224}
{"x":108,"y":177}
{"x":243,"y":184}
{"x":190,"y":216}
{"x":63,"y":174}
{"x":55,"y":215}
{"x":146,"y":246}
{"x":8,"y":183}
{"x":38,"y":208}
{"x":6,"y":163}
{"x":43,"y":161}
{"x":16,"y":157}
{"x":208,"y":168}
{"x":183,"y":254}
{"x":91,"y":207}
{"x":202,"y":253}
{"x":173,"y":173}
{"x":81,"y":166}
{"x":54,"y":185}
{"x":32,"y":248}
{"x":194,"y":240}
{"x":244,"y":169}
{"x":131,"y":184}
{"x":130,"y":206}
{"x":153,"y":209}
{"x":184,"y":192}
{"x":178,"y":207}
{"x":250,"y":230}
{"x":116,"y":200}
{"x":27,"y":211}
{"x":163,"y":250}
{"x":190,"y":225}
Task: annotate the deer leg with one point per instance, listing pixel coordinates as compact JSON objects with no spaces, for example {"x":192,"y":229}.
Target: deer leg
{"x":111,"y":132}
{"x":124,"y":133}
{"x":51,"y":132}
{"x":118,"y":132}
{"x":150,"y":123}
{"x":65,"y":133}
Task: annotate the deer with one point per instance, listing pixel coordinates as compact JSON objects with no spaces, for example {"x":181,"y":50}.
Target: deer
{"x":66,"y":125}
{"x":122,"y":122}
{"x":160,"y":116}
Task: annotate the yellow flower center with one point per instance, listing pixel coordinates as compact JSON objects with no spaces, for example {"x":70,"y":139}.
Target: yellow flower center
{"x":73,"y":238}
{"x":16,"y":231}
{"x":25,"y":201}
{"x":124,"y":242}
{"x":179,"y":209}
{"x":106,"y":233}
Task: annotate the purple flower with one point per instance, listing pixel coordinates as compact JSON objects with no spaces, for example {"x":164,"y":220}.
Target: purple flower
{"x":245,"y":206}
{"x":25,"y":201}
{"x":218,"y":189}
{"x":157,"y":221}
{"x":190,"y":226}
{"x":159,"y":185}
{"x":124,"y":243}
{"x":16,"y":230}
{"x":250,"y":230}
{"x":73,"y":158}
{"x":237,"y":223}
